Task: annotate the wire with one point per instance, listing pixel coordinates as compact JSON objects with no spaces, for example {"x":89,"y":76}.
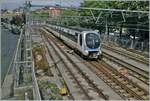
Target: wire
{"x":88,"y":8}
{"x":112,"y":26}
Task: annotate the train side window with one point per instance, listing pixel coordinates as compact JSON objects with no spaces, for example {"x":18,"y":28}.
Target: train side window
{"x":76,"y":34}
{"x":80,"y":39}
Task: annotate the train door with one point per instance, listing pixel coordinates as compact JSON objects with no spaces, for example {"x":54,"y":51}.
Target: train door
{"x":80,"y":40}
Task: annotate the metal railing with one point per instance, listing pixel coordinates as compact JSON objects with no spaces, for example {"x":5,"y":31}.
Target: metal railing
{"x":23,"y":65}
{"x":127,"y":43}
{"x":36,"y":94}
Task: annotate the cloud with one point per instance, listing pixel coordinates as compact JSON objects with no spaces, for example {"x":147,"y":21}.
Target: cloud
{"x":12,"y":1}
{"x":12,"y":4}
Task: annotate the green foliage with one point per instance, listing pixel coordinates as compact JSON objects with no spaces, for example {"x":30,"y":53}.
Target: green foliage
{"x":54,"y":92}
{"x":130,"y":5}
{"x":132,"y":20}
{"x":69,"y":12}
{"x":17,"y":20}
{"x":115,"y":20}
{"x":40,"y":14}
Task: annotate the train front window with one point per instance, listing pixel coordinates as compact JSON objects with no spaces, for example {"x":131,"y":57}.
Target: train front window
{"x":92,"y":40}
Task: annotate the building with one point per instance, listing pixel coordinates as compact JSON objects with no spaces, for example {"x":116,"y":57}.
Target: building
{"x":54,"y":11}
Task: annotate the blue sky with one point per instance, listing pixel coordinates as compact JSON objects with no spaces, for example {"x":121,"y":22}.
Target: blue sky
{"x":12,"y":4}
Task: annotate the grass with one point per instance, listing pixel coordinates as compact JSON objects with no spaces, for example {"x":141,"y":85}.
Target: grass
{"x":39,"y":51}
{"x":40,"y":14}
{"x":54,"y":94}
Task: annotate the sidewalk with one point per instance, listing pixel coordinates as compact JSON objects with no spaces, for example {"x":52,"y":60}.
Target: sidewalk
{"x":7,"y":87}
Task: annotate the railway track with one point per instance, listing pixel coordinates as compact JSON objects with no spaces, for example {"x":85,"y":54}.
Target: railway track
{"x":138,"y":73}
{"x":121,"y":84}
{"x":126,"y":93}
{"x":75,"y":72}
{"x":70,"y":97}
{"x":127,"y":54}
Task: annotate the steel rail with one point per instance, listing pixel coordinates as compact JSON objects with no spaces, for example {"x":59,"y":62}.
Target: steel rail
{"x":77,"y":81}
{"x":82,"y":73}
{"x":144,"y":61}
{"x":55,"y":63}
{"x":143,"y":73}
{"x":122,"y":85}
{"x":88,"y":8}
{"x":108,"y":72}
{"x":118,"y":73}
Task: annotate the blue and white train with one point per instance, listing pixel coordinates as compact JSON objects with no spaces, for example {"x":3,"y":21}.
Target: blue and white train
{"x":85,"y":41}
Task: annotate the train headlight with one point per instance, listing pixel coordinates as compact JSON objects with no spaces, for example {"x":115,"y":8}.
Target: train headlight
{"x":86,"y":52}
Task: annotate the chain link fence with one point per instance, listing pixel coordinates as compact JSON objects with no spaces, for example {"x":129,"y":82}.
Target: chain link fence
{"x":126,"y":42}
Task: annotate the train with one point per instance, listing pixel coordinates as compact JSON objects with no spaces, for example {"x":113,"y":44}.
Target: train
{"x":87,"y":42}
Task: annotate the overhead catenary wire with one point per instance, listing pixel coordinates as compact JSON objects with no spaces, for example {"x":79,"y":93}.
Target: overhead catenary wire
{"x":102,"y":9}
{"x":90,"y":8}
{"x":114,"y":26}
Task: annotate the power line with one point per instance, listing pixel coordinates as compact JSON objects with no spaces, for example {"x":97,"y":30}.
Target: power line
{"x":112,"y":26}
{"x":113,"y":10}
{"x":88,"y":8}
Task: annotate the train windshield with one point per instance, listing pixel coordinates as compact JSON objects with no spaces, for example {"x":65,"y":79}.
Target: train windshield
{"x":92,"y":40}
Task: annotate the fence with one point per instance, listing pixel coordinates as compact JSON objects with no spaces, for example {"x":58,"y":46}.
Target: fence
{"x":23,"y":66}
{"x":126,"y":42}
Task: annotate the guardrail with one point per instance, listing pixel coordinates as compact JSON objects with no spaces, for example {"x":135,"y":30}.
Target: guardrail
{"x":18,"y":63}
{"x":37,"y":95}
{"x":126,"y":42}
{"x":15,"y":67}
{"x":36,"y":92}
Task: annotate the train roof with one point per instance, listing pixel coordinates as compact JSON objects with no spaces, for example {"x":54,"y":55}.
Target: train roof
{"x":80,"y":28}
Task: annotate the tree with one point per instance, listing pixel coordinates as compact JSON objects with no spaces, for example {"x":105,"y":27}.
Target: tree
{"x":133,"y":21}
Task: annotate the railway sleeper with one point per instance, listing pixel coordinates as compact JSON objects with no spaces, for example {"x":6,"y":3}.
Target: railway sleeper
{"x":105,"y":77}
{"x":134,"y":89}
{"x":122,"y":91}
{"x":108,"y":81}
{"x":113,"y":74}
{"x":105,"y":80}
{"x":129,"y":86}
{"x":101,"y":75}
{"x":117,"y":87}
{"x":120,"y":79}
{"x":144,"y":79}
{"x":145,"y":97}
{"x":127,"y":95}
{"x":125,"y":82}
{"x":140,"y":93}
{"x":113,"y":84}
{"x":131,"y":98}
{"x":95,"y":85}
{"x":117,"y":91}
{"x":121,"y":87}
{"x":135,"y":74}
{"x":116,"y":76}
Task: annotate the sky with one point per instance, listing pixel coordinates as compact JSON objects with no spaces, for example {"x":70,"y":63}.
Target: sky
{"x":12,"y":4}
